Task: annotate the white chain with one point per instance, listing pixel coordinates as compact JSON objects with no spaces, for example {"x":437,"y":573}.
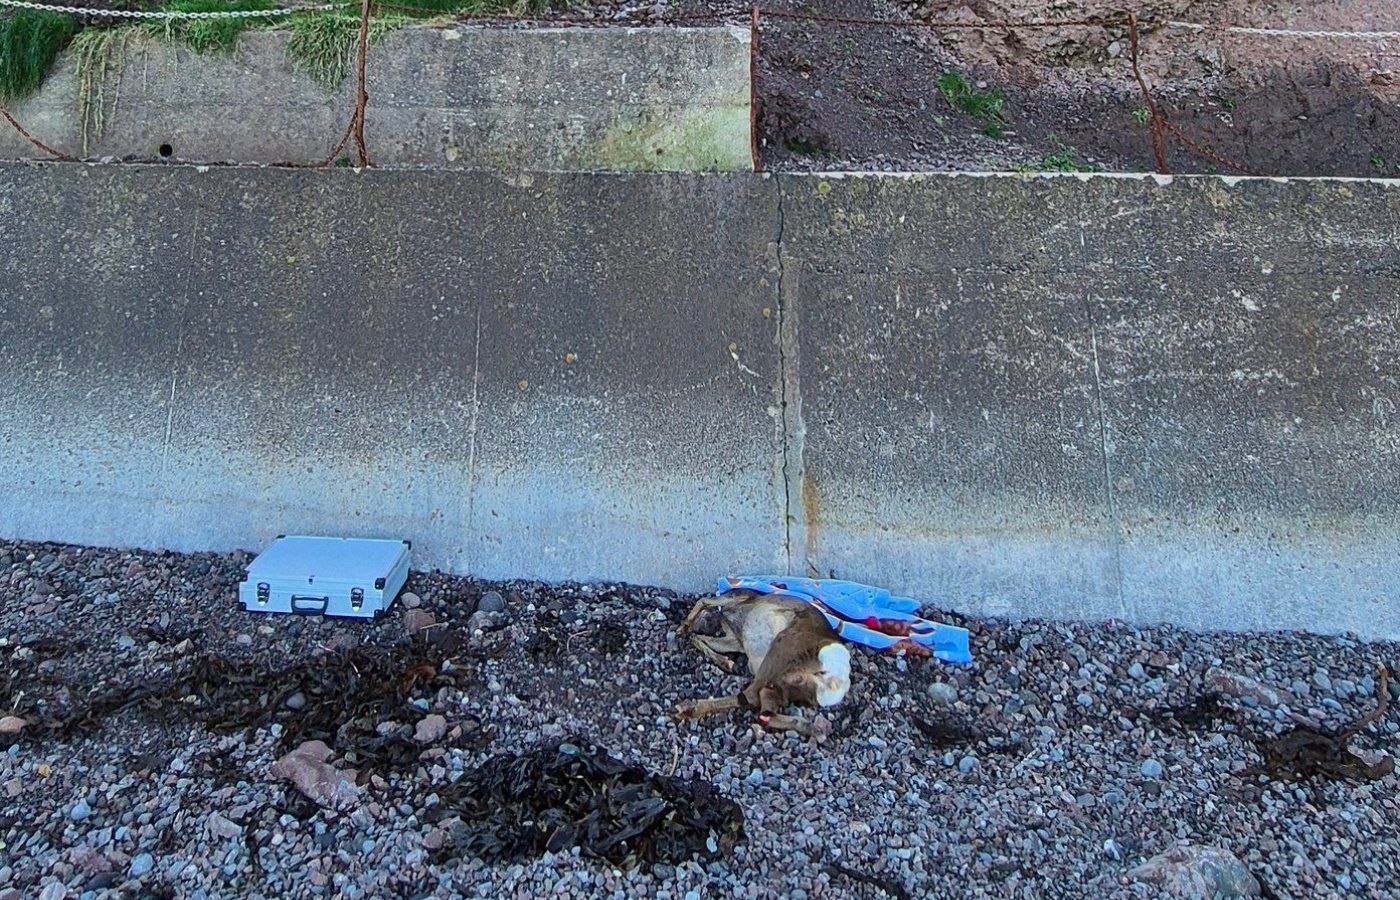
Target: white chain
{"x":168,"y":14}
{"x":1286,"y":32}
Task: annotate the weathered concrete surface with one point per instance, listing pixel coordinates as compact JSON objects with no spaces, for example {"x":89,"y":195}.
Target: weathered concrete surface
{"x":585,"y":99}
{"x":527,"y":380}
{"x":1105,"y":397}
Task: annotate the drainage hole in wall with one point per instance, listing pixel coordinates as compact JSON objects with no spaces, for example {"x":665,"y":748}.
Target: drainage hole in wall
{"x":166,"y":150}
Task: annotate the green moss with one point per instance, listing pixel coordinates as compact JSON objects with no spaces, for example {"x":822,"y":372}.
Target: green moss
{"x":30,"y":41}
{"x":711,"y":140}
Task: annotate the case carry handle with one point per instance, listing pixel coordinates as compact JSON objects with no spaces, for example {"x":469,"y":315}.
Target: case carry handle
{"x":310,"y":606}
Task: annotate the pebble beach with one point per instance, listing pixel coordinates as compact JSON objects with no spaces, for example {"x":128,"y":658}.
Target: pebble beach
{"x":1070,"y":760}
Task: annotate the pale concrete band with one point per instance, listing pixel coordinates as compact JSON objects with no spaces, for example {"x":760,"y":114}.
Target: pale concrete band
{"x":456,"y":96}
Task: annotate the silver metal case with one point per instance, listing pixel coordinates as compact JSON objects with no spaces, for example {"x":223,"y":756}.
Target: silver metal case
{"x":330,"y":576}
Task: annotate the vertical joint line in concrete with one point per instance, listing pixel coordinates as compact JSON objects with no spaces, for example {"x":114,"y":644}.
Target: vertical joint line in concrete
{"x":783,"y":385}
{"x":1104,"y":450}
{"x":790,"y":441}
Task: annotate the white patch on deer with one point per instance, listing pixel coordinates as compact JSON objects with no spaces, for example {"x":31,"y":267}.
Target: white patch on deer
{"x":834,"y":679}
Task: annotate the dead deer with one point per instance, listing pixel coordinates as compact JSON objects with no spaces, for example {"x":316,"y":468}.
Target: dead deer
{"x":794,"y":656}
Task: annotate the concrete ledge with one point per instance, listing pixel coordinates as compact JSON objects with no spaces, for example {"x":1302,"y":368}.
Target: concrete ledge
{"x":1032,"y":396}
{"x":589,"y":99}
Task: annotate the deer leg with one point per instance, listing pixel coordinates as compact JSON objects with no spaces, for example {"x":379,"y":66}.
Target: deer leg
{"x":770,"y":701}
{"x":714,"y":648}
{"x":699,"y":709}
{"x":780,"y":722}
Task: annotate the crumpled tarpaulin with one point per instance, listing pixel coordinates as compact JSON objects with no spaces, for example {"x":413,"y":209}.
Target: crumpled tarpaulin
{"x":866,"y":615}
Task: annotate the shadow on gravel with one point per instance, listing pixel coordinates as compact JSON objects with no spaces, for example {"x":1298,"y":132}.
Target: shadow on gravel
{"x":565,"y":794}
{"x":553,"y":637}
{"x":1204,"y":712}
{"x":946,"y":732}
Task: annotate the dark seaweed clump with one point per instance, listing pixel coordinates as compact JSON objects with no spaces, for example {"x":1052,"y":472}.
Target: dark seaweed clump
{"x":566,"y":793}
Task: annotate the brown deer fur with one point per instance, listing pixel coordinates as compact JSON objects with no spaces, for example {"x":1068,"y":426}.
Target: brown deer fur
{"x":794,"y":655}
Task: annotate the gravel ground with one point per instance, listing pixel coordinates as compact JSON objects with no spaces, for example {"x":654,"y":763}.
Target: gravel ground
{"x":1070,"y":779}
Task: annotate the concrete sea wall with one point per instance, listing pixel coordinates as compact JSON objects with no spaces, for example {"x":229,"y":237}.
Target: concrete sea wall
{"x":455,"y":97}
{"x":1064,"y":396}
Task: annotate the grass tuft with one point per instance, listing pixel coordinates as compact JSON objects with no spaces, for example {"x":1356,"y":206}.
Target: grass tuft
{"x":99,"y":53}
{"x":211,"y":35}
{"x":30,"y":41}
{"x":323,"y":44}
{"x":1063,"y":159}
{"x":984,"y":105}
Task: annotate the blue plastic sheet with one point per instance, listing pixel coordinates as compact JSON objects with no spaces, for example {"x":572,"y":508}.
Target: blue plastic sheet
{"x":866,"y":615}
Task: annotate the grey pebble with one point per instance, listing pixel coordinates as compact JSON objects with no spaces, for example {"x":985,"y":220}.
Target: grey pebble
{"x":1151,"y":769}
{"x":126,"y":642}
{"x":967,"y":764}
{"x":101,"y":882}
{"x":80,"y":811}
{"x":1321,"y":679}
{"x":410,"y":600}
{"x":142,"y":865}
{"x":942,"y":693}
{"x":755,"y":778}
{"x":1137,"y":672}
{"x":492,"y":602}
{"x":296,"y":701}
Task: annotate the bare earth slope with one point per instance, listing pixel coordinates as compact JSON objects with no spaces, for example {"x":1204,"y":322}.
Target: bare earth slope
{"x":844,"y":95}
